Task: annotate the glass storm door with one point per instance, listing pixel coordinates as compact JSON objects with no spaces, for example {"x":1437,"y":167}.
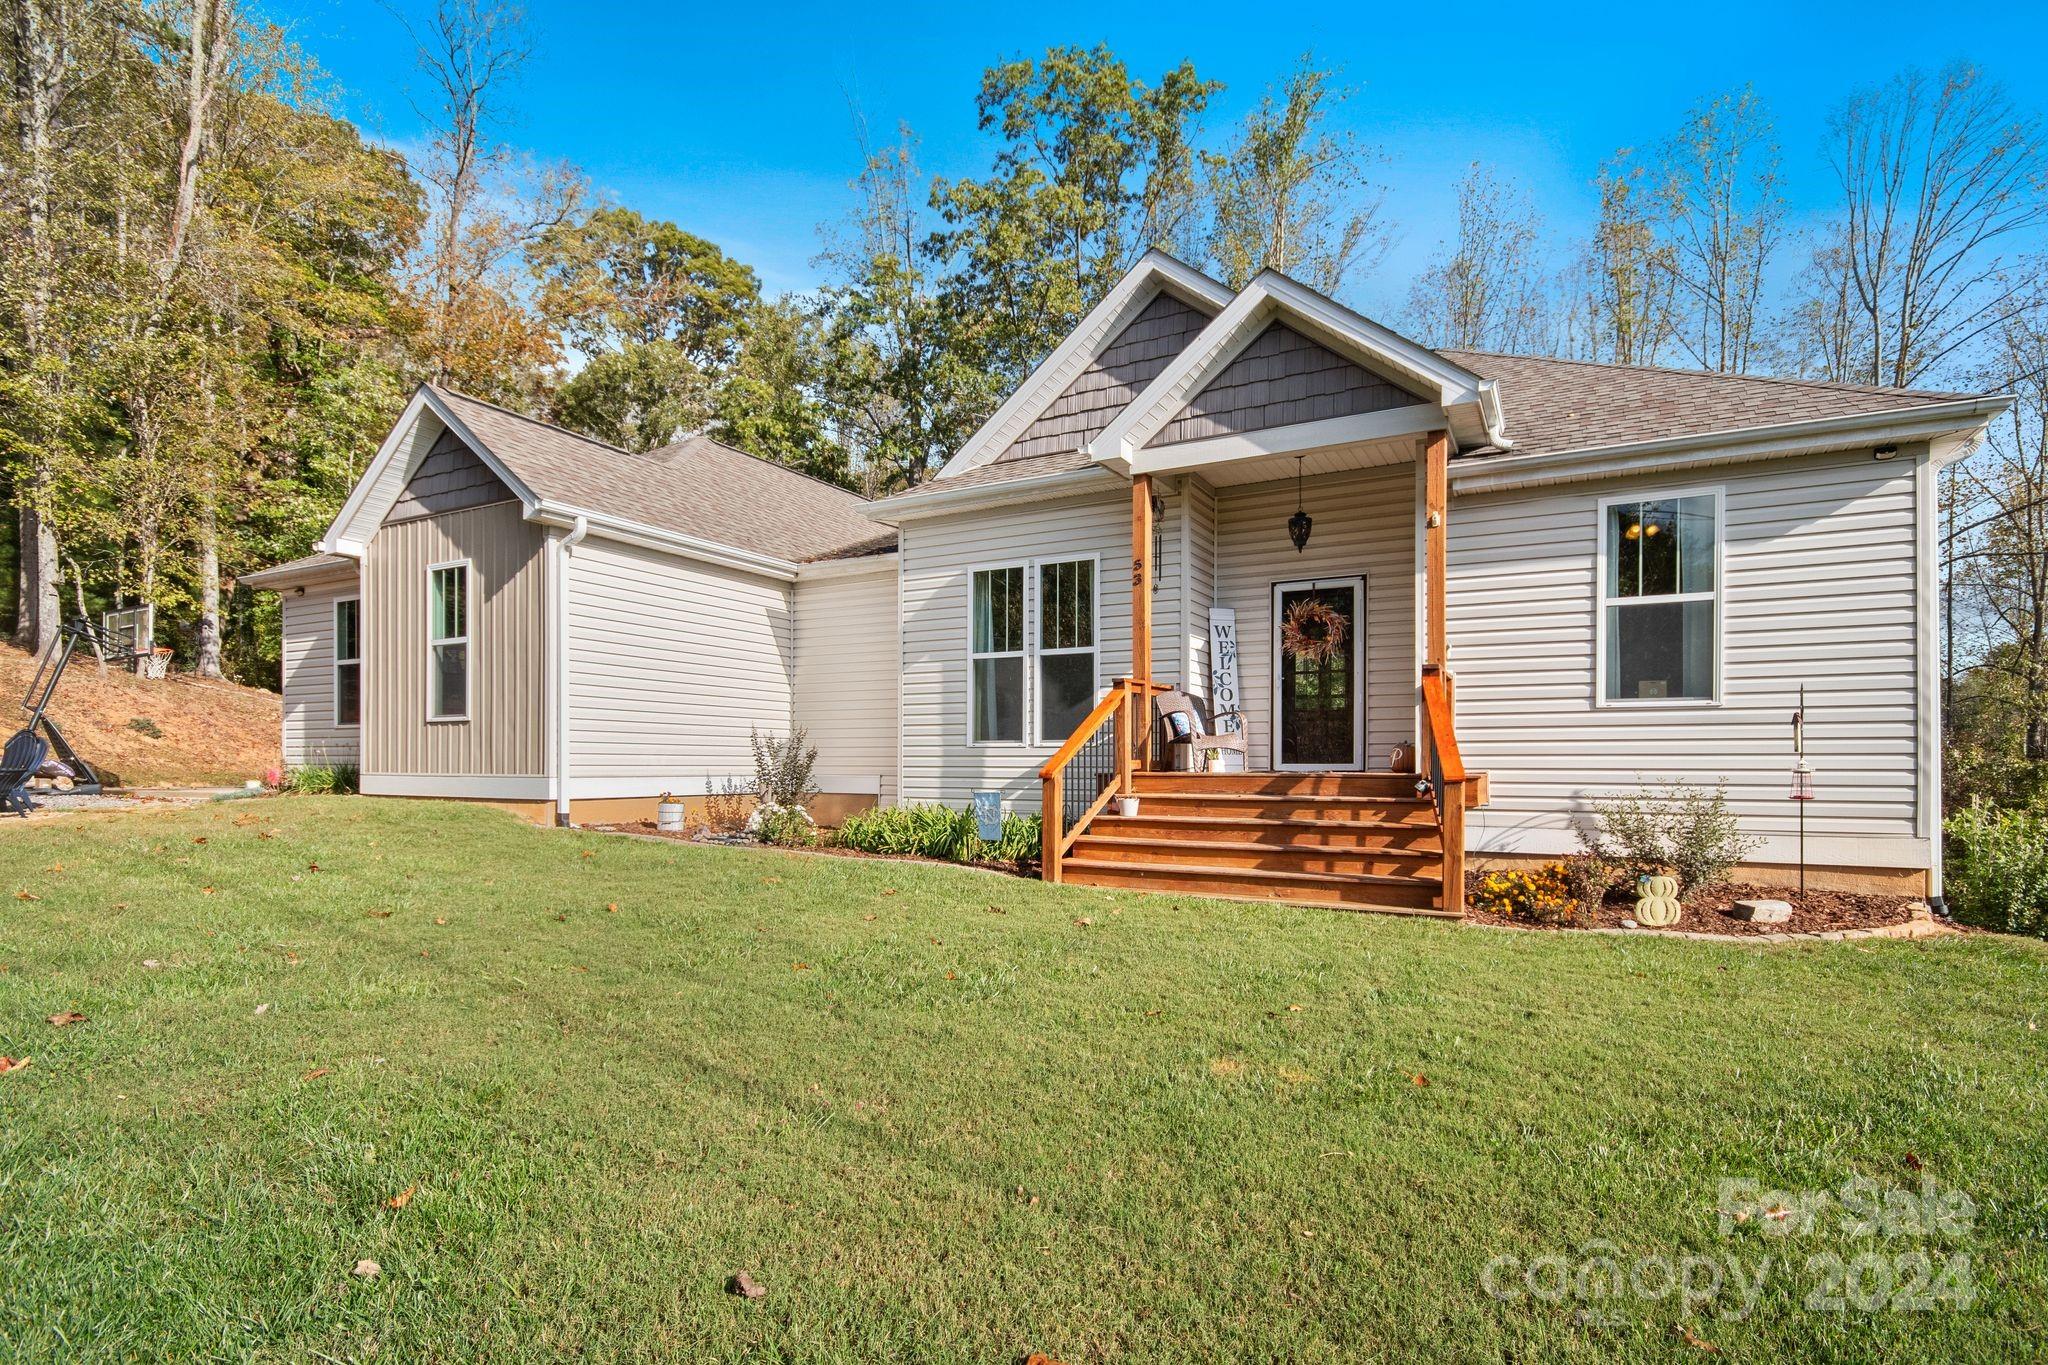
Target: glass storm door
{"x":1319,"y":703}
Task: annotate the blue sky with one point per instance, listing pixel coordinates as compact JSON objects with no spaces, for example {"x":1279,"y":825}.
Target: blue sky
{"x":733,"y":119}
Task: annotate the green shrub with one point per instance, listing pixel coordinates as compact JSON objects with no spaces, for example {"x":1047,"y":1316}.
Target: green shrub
{"x":1997,"y":868}
{"x":786,"y":827}
{"x":143,"y":725}
{"x":1680,"y":828}
{"x":337,"y":779}
{"x":937,"y":832}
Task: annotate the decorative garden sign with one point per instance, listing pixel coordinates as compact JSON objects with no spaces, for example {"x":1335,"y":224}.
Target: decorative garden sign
{"x":988,"y":816}
{"x":1223,"y":690}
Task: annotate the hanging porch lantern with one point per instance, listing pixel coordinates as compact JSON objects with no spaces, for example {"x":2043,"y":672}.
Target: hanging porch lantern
{"x":1299,"y":525}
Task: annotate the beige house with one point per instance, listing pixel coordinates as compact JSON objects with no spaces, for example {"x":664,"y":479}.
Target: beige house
{"x":1522,"y":582}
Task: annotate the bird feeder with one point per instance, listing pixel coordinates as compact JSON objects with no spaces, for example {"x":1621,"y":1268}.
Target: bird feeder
{"x":1802,"y":785}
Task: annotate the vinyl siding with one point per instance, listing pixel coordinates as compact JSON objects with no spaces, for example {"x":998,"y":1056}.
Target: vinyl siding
{"x":1198,"y":537}
{"x":1364,"y":524}
{"x":673,"y":663}
{"x":503,"y":735}
{"x":311,"y":735}
{"x":939,"y":763}
{"x":846,"y":675}
{"x":1819,"y":587}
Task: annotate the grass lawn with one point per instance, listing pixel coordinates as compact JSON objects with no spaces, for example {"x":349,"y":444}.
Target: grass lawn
{"x":939,"y":1117}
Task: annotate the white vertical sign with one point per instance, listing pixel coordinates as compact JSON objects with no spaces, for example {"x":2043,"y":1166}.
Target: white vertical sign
{"x":1223,"y":690}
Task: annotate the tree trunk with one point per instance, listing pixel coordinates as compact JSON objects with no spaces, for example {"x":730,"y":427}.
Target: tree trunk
{"x":39,"y":609}
{"x":208,"y":663}
{"x":39,"y":64}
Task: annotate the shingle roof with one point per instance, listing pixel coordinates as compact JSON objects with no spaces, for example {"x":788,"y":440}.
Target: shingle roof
{"x":1552,"y":405}
{"x":697,"y":486}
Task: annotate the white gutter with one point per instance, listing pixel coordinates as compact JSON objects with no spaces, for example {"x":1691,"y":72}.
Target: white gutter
{"x":654,"y":538}
{"x":909,"y":506}
{"x":560,"y":592}
{"x":1727,"y":445}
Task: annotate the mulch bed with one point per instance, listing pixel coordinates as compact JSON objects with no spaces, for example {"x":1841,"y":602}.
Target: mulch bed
{"x":696,"y":834}
{"x":1709,"y":910}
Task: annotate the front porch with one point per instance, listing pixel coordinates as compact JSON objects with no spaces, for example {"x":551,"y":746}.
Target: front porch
{"x":1316,"y":814}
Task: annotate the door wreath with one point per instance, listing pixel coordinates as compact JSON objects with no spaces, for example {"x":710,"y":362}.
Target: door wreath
{"x":1313,"y":630}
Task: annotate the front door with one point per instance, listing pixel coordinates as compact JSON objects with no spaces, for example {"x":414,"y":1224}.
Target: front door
{"x":1319,"y":674}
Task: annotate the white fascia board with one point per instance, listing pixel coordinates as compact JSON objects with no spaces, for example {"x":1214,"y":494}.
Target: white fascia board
{"x":338,"y":541}
{"x":1155,"y":273}
{"x":813,"y":570}
{"x":1269,"y":297}
{"x":1038,"y":488}
{"x":326,"y":576}
{"x":1727,"y":447}
{"x":670,"y":542}
{"x":1250,"y":445}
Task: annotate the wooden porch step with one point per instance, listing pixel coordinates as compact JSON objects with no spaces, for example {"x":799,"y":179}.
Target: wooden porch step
{"x":1253,"y":855}
{"x":1398,"y":895}
{"x":1382,"y":784}
{"x":1421,"y":839}
{"x":1378,"y":810}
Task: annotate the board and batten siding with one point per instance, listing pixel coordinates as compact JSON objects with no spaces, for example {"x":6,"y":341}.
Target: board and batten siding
{"x":1819,"y":586}
{"x":1364,"y":525}
{"x":312,"y":736}
{"x":940,"y":764}
{"x":504,"y":735}
{"x":847,"y":679}
{"x":673,"y":663}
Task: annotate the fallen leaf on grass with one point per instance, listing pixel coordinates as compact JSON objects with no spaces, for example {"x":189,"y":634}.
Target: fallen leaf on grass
{"x":402,"y":1198}
{"x":952,"y":976}
{"x":1084,"y":921}
{"x":440,"y":919}
{"x":867,"y":917}
{"x":1419,"y":1079}
{"x":1693,"y":1339}
{"x":206,"y":891}
{"x":312,"y":867}
{"x":1153,"y":1014}
{"x":586,"y":854}
{"x":54,"y":867}
{"x":1041,"y":1358}
{"x":378,"y":914}
{"x":200,"y":840}
{"x":559,"y":919}
{"x":315,"y":1074}
{"x":367,"y":1269}
{"x":888,"y":890}
{"x":68,"y":1017}
{"x":612,"y":908}
{"x":743,"y":1285}
{"x":799,"y":966}
{"x":771,"y":881}
{"x":262,"y":1009}
{"x":266,"y":834}
{"x":997,"y":910}
{"x":1294,"y":1009}
{"x":1913,"y":1162}
{"x":150,"y":964}
{"x":8,"y":1064}
{"x":26,"y":895}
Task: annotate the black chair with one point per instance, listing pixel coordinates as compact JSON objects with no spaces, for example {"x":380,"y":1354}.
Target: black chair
{"x":18,"y":763}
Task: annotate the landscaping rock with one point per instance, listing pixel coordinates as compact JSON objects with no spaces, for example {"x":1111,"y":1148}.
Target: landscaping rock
{"x":1763,"y":911}
{"x":743,"y":1285}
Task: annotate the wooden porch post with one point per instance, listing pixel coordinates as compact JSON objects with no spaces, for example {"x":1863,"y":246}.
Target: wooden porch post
{"x":1140,"y":700}
{"x":1436,"y":553}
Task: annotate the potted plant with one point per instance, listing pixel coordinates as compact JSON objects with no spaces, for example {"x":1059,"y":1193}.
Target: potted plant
{"x":668,"y":815}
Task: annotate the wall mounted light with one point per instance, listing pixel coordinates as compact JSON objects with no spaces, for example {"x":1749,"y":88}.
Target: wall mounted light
{"x":1884,"y":453}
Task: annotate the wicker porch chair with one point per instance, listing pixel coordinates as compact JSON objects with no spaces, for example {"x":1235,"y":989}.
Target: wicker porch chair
{"x":1201,"y":737}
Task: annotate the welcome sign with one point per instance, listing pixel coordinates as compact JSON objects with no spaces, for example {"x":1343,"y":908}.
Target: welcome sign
{"x":1223,"y":688}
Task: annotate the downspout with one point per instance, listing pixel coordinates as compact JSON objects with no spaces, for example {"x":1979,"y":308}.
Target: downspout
{"x":563,"y":546}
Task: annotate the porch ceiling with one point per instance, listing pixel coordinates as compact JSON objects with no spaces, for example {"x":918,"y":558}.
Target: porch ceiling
{"x":1331,"y":459}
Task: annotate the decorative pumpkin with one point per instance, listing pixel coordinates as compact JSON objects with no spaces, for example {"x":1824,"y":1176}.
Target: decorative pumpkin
{"x":1658,"y":907}
{"x":1314,"y":630}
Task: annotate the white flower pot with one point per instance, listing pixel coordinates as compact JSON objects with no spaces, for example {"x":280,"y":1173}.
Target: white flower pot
{"x":668,"y":817}
{"x":1127,"y":806}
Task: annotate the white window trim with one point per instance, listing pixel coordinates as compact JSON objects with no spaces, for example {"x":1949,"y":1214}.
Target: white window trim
{"x":468,"y":638}
{"x":334,"y":616}
{"x":1034,"y":603}
{"x":1032,"y":651}
{"x":1025,"y":570}
{"x":1602,"y":601}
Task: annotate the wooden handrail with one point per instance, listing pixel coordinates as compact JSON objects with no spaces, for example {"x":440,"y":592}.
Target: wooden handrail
{"x":1121,"y":707}
{"x":1104,"y":710}
{"x":1443,"y":733}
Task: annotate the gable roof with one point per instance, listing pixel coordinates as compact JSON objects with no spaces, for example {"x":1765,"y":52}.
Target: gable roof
{"x":697,"y":486}
{"x":1147,"y":344}
{"x":1556,"y":405}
